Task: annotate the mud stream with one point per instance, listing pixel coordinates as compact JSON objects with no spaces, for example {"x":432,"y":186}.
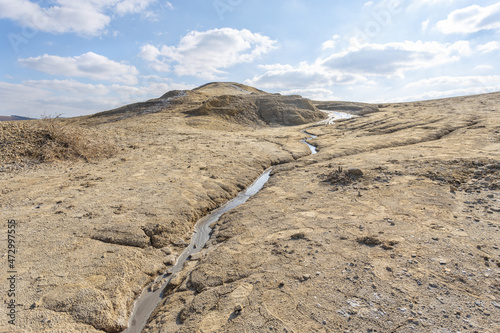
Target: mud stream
{"x":151,"y":297}
{"x":313,"y":148}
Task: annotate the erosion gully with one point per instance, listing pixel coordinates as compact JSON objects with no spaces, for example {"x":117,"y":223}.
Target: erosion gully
{"x":151,"y":297}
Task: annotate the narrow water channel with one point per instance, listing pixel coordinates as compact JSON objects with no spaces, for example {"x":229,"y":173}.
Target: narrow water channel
{"x":313,"y":148}
{"x":150,"y":298}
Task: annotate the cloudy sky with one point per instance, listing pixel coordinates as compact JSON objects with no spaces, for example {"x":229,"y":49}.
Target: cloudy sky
{"x":68,"y":57}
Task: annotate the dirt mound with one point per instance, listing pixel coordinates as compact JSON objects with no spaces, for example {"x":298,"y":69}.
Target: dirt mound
{"x":231,"y":101}
{"x":173,"y":100}
{"x":261,"y":109}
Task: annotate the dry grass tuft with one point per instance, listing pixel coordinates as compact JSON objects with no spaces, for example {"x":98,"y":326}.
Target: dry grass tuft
{"x":69,"y":142}
{"x":49,"y":140}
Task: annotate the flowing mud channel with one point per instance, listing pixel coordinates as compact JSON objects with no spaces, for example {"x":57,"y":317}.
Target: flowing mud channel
{"x":151,"y":297}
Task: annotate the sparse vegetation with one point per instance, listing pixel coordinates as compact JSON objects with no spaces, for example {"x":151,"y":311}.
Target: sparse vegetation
{"x":48,"y":140}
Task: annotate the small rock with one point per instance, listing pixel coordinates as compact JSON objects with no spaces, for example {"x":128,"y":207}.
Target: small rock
{"x":299,"y":235}
{"x":355,"y":172}
{"x":238,"y":308}
{"x":305,"y":277}
{"x":196,"y":256}
{"x":170,"y":260}
{"x":167,"y":250}
{"x":369,"y":240}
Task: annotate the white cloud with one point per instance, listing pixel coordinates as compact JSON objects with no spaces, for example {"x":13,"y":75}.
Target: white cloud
{"x":83,"y":17}
{"x":425,"y":25}
{"x":70,"y":98}
{"x":330,"y":44}
{"x":33,"y":100}
{"x":204,"y":54}
{"x":368,"y":4}
{"x":88,"y":65}
{"x":149,"y":53}
{"x":395,"y":58}
{"x":433,"y":2}
{"x":449,"y":86}
{"x":456,"y":81}
{"x":303,"y":76}
{"x":133,"y":6}
{"x":360,"y":65}
{"x":471,"y":19}
{"x":484,"y":68}
{"x":488,"y":47}
{"x":317,"y":94}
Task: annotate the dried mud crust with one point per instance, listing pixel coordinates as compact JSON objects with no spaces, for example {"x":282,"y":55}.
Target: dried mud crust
{"x":95,"y":234}
{"x":465,"y":175}
{"x":409,"y":243}
{"x":394,"y":249}
{"x":404,"y":256}
{"x":469,"y":175}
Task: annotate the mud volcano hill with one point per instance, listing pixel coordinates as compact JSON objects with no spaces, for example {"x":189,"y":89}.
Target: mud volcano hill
{"x":261,"y":109}
{"x":229,"y":101}
{"x":393,"y":226}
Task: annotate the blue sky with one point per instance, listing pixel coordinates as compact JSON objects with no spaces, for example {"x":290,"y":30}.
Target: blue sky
{"x":69,"y":58}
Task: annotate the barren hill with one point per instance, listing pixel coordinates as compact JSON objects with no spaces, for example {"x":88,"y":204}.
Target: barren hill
{"x":393,"y":226}
{"x":231,"y":101}
{"x":11,"y":118}
{"x":228,"y":88}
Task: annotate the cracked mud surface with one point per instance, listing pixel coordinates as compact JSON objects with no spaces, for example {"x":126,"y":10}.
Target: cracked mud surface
{"x":411,"y":244}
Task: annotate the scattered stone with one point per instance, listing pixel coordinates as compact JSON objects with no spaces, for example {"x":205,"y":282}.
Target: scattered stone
{"x":170,"y":260}
{"x":238,"y":308}
{"x":305,"y":277}
{"x":369,"y":240}
{"x":167,"y":250}
{"x":299,"y":235}
{"x":196,"y":256}
{"x":355,"y":172}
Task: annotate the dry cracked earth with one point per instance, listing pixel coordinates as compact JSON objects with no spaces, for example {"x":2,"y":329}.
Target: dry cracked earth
{"x":393,"y":226}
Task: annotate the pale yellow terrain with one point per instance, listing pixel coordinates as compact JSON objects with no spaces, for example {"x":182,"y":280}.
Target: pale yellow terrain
{"x":411,"y":245}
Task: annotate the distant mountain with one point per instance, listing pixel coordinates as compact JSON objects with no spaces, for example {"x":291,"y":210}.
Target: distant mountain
{"x":11,"y":118}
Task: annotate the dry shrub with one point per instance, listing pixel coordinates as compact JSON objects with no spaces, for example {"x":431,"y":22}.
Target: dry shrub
{"x":68,"y":142}
{"x":50,"y":139}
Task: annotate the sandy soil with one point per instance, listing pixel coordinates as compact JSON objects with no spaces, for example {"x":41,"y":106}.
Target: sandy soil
{"x":392,"y":226}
